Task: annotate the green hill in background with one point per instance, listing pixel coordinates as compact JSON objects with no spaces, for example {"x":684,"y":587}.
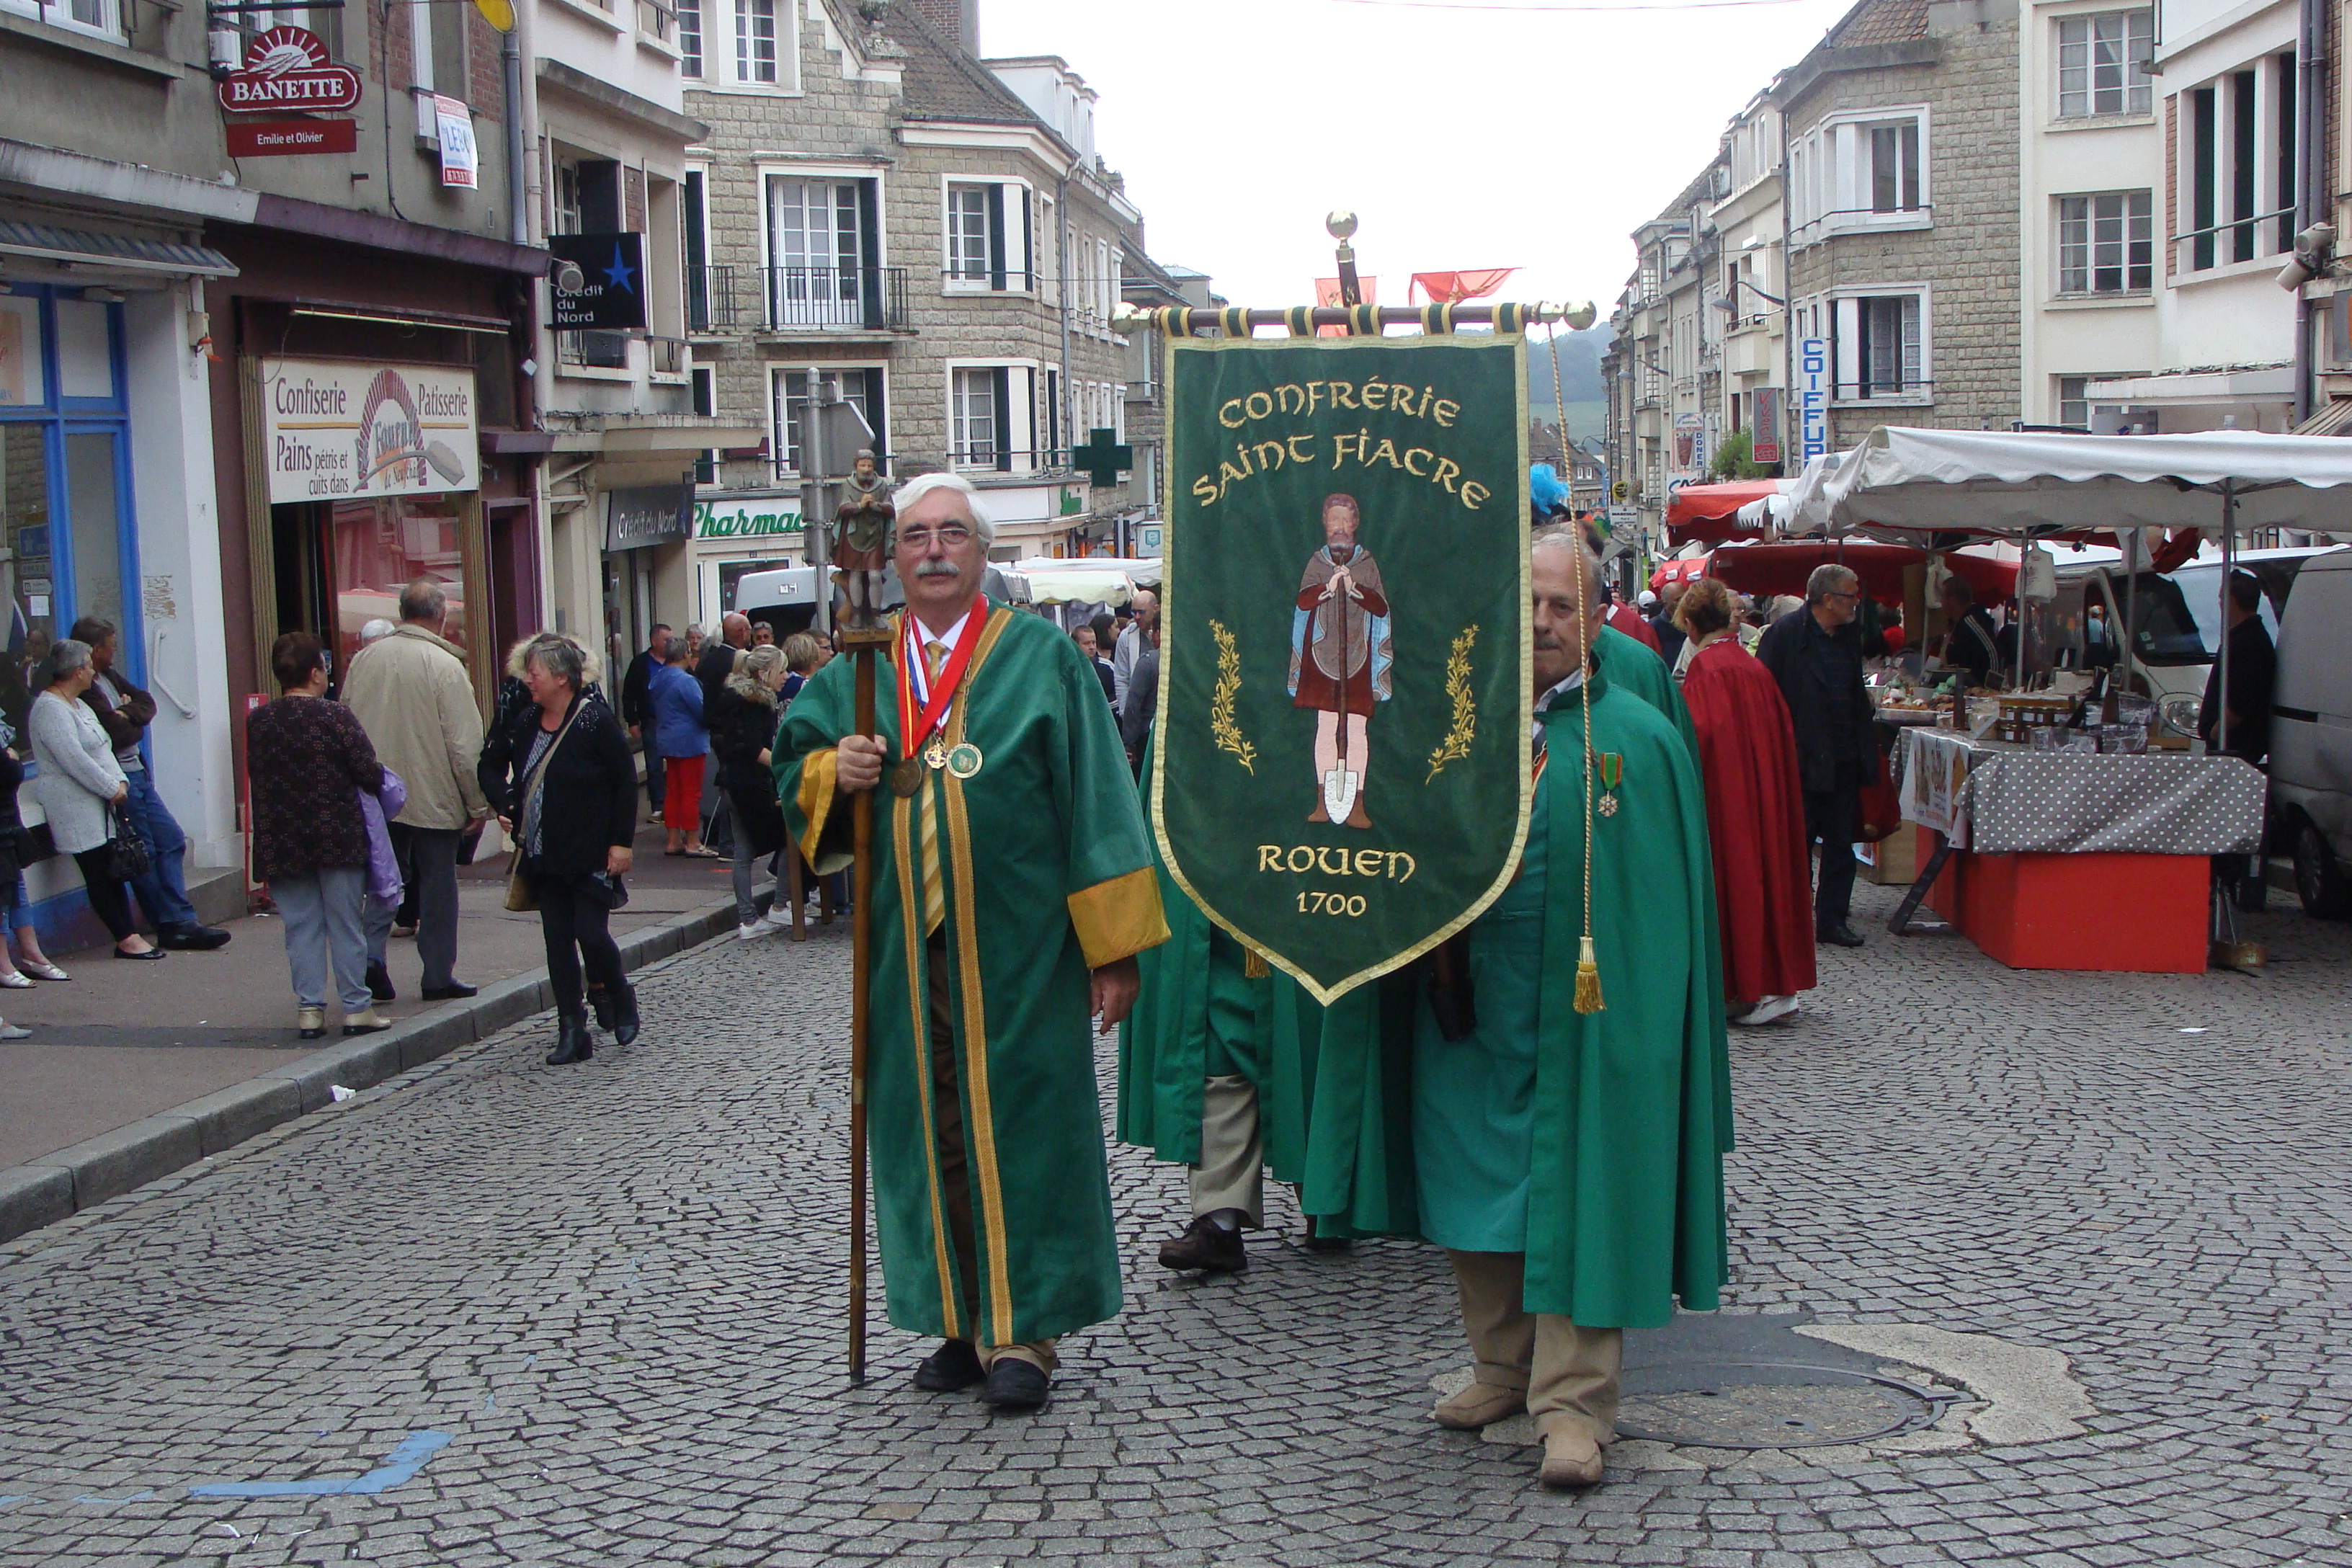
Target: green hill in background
{"x":1579,"y":381}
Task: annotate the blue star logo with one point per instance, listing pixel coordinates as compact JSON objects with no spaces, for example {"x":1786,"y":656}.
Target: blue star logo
{"x":621,"y":275}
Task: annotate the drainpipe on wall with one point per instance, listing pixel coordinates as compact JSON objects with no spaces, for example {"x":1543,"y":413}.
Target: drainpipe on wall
{"x":2311,"y":120}
{"x":1062,"y":273}
{"x":517,"y":163}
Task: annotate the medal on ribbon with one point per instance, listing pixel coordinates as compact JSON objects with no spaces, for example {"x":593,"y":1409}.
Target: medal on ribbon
{"x":923,"y":715}
{"x":1608,"y":768}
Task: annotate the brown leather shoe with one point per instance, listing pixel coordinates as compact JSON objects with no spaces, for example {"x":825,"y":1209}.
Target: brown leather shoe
{"x":1571,"y":1459}
{"x":1480,"y":1404}
{"x":1207,"y":1246}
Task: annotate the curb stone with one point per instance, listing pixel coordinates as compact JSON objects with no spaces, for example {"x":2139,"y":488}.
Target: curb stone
{"x":85,"y":1174}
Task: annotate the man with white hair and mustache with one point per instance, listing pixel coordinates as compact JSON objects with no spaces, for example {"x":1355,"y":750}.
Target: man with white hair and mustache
{"x":1013,"y":888}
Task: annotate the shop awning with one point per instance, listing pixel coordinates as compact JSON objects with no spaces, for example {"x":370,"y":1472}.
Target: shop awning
{"x":1710,"y":514}
{"x":1783,"y":567}
{"x":122,"y":253}
{"x":2336,"y":420}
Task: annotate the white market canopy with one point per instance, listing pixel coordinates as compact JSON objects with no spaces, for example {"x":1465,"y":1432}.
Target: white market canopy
{"x":1902,"y":481}
{"x":1086,"y":579}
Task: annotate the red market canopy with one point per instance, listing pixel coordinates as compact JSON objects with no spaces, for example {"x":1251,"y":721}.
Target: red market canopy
{"x":1681,"y":569}
{"x":1783,"y":567}
{"x":1710,"y":514}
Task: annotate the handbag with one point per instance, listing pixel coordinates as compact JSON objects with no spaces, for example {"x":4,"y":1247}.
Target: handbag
{"x":127,"y":859}
{"x":521,"y":896}
{"x":1878,"y":808}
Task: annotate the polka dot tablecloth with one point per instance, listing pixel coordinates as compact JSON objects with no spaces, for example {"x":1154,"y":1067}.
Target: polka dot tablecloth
{"x":1998,"y":800}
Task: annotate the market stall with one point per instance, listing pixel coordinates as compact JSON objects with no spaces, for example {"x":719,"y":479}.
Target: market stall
{"x":2076,"y":858}
{"x":2073,"y":849}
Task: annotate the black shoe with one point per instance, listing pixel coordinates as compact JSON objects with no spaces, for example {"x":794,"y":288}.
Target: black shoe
{"x":1013,"y":1385}
{"x":151,"y":954}
{"x":1207,"y":1246}
{"x":194,"y":938}
{"x":624,"y":1015}
{"x":600,"y":1000}
{"x":450,"y":993}
{"x":950,"y":1369}
{"x":1317,"y":1242}
{"x":1839,"y":935}
{"x":572,"y":1042}
{"x":379,"y":981}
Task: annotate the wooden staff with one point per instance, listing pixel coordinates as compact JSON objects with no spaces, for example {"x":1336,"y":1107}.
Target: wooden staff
{"x":862,"y":645}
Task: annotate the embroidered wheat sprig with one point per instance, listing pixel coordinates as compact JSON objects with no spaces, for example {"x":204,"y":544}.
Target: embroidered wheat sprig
{"x":1456,"y":745}
{"x":1222,"y":732}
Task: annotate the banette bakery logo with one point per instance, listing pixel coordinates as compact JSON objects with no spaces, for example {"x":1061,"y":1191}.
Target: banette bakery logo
{"x":289,"y":67}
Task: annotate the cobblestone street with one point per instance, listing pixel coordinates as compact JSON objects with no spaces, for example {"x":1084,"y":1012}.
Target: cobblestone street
{"x":618,"y":1290}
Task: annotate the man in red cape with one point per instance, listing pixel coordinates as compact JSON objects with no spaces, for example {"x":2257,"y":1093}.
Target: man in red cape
{"x":1755,"y":811}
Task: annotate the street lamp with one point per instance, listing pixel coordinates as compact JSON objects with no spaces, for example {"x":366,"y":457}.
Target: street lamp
{"x":1729,"y":303}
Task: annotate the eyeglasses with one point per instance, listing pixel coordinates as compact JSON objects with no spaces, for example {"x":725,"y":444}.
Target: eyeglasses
{"x":953,"y":536}
{"x":1833,"y":593}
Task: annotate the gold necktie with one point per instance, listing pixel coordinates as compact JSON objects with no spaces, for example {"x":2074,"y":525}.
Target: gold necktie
{"x":934,"y":908}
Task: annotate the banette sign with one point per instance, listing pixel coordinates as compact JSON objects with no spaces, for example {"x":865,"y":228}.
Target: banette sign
{"x":287,"y":67}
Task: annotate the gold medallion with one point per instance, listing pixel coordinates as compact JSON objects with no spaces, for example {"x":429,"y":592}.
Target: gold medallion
{"x":935,"y":755}
{"x":906,"y":776}
{"x":964,"y":760}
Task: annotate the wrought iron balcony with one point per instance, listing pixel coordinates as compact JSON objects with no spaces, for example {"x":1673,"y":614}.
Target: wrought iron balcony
{"x":817,"y":299}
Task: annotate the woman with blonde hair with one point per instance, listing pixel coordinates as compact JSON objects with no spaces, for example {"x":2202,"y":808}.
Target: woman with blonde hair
{"x":742,"y":716}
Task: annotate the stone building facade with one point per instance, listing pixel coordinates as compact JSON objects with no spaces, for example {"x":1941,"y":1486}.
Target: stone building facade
{"x":881,"y":217}
{"x":1901,"y":192}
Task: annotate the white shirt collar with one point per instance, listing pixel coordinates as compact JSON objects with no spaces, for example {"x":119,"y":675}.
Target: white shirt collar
{"x":1544,"y":702}
{"x":924,"y":636}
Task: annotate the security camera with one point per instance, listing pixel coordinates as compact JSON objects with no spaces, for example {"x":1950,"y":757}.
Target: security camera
{"x":567,"y":278}
{"x":2294,"y":274}
{"x":2318,"y":237}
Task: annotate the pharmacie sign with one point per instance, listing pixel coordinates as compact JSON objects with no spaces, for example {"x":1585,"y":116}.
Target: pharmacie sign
{"x":336,"y":428}
{"x":745,"y":520}
{"x":287,"y":67}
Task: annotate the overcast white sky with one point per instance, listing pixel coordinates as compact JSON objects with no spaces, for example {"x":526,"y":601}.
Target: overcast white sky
{"x":1462,"y":138}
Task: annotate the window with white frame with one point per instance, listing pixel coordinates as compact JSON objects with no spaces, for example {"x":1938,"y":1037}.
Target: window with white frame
{"x":2103,"y":63}
{"x":738,"y":46}
{"x":1865,"y":171}
{"x":991,"y":236}
{"x":1879,"y":345}
{"x":821,"y":248}
{"x":2237,"y":166}
{"x":100,"y":18}
{"x":755,"y":41}
{"x":689,"y":39}
{"x":976,"y":406}
{"x":789,"y":397}
{"x":2106,"y":242}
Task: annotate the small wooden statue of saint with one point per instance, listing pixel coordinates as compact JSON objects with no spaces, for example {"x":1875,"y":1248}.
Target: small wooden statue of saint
{"x":861,"y":542}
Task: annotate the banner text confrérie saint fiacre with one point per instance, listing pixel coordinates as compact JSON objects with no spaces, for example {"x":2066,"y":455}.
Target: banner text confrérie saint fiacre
{"x":1252,"y":459}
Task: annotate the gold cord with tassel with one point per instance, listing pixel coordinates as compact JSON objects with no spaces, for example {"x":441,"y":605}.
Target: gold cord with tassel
{"x":1588,"y":967}
{"x":1254,"y":966}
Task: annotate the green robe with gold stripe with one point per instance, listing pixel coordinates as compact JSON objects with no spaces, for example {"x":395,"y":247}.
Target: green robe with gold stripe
{"x":1046,"y":874}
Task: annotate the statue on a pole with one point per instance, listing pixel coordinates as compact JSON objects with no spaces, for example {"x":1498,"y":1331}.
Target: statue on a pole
{"x":861,"y":542}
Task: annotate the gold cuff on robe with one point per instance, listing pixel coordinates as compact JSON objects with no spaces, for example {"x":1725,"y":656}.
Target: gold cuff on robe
{"x":1118,"y":918}
{"x":815,"y":803}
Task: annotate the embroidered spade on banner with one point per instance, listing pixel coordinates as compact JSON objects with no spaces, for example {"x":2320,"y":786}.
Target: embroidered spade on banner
{"x":1340,"y":775}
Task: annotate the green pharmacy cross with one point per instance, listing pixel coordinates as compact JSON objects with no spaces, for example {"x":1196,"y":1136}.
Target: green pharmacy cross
{"x":1102,"y":458}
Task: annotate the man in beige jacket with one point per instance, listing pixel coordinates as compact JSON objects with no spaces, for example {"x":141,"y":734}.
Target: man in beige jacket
{"x":410,"y":692}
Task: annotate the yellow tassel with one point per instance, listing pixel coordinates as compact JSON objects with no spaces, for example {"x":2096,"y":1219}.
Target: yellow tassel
{"x":1587,"y":980}
{"x":1254,"y":966}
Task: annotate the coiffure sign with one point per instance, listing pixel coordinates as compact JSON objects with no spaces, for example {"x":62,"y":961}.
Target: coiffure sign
{"x":339,"y":428}
{"x":287,"y":67}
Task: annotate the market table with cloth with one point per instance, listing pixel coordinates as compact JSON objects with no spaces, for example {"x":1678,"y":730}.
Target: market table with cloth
{"x":2076,"y":860}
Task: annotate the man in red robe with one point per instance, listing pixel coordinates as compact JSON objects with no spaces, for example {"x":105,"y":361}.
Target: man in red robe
{"x":1755,"y":811}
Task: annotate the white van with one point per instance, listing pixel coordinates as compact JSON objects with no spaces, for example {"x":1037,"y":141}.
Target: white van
{"x":2311,"y":732}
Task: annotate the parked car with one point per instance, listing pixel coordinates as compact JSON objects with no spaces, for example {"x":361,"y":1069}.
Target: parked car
{"x":2178,"y":617}
{"x":2311,"y":733}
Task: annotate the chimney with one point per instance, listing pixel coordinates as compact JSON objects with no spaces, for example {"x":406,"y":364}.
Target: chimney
{"x":957,"y":21}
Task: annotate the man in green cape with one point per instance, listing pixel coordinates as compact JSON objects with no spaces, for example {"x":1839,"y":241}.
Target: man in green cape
{"x":1013,"y":888}
{"x":1570,"y":1162}
{"x":1200,"y":1082}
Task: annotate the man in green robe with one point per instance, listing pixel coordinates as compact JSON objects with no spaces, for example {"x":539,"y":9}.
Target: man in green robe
{"x":1013,"y":888}
{"x":1200,"y":1083}
{"x":1570,"y":1163}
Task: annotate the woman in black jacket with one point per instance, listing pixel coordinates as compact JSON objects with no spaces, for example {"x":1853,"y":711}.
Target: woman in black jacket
{"x":742,"y":719}
{"x":560,"y":777}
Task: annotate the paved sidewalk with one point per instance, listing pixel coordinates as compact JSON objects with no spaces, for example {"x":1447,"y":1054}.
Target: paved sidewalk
{"x":121,"y":1041}
{"x":492,"y":1312}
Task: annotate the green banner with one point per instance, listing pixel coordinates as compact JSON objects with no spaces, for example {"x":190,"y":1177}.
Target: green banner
{"x":1340,"y":772}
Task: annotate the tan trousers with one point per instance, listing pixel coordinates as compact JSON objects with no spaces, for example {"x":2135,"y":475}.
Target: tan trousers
{"x":955,"y":1170}
{"x":1232,"y":1172}
{"x":1569,"y":1373}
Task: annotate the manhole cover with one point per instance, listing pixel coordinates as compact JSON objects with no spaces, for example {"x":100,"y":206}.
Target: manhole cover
{"x":1732,"y":1407}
